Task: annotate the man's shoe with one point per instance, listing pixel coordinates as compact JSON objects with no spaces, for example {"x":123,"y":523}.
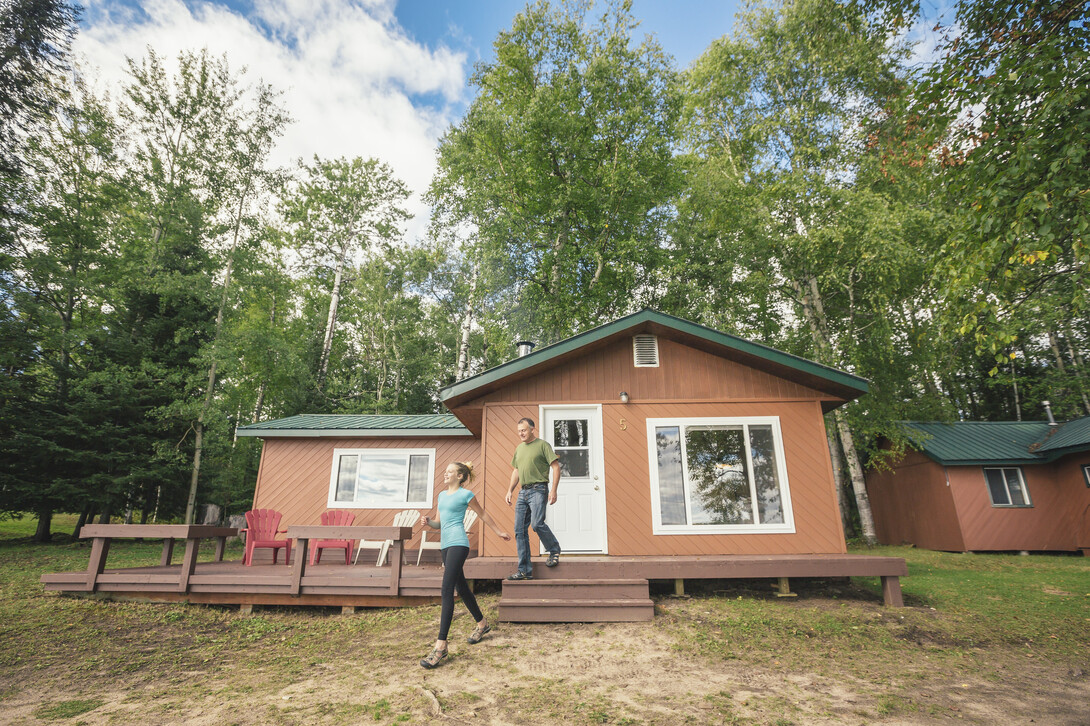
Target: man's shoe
{"x":520,"y":575}
{"x":554,"y":559}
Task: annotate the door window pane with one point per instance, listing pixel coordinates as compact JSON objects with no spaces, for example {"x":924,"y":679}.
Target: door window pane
{"x":574,"y":462}
{"x":346,"y":479}
{"x":671,"y":477}
{"x":570,"y":432}
{"x":717,"y":471}
{"x":763,"y":454}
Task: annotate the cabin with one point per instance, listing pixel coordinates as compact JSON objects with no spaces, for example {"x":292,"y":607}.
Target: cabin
{"x":685,"y":453}
{"x":975,"y":486}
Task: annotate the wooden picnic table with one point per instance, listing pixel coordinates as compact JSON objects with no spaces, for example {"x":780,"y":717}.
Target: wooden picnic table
{"x":102,"y":534}
{"x":302,"y":534}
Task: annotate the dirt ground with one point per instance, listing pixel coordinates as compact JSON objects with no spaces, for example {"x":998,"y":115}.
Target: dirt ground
{"x":630,"y":673}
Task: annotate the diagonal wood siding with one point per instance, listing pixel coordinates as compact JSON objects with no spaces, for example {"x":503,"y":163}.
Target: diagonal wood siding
{"x":627,"y":479}
{"x":912,"y":503}
{"x":1052,"y":523}
{"x":295,"y":472}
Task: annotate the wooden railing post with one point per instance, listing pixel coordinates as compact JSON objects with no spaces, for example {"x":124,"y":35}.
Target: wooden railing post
{"x":395,"y":567}
{"x":189,"y":562}
{"x":168,"y":551}
{"x":300,"y":563}
{"x":100,"y":547}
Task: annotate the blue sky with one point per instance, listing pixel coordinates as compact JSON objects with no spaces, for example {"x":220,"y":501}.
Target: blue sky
{"x":368,"y":78}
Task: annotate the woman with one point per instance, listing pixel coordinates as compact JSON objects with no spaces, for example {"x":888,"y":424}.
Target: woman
{"x":454,"y":546}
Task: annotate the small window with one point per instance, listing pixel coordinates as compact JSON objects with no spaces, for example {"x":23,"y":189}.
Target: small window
{"x":645,"y":349}
{"x":381,"y":478}
{"x":1007,"y":488}
{"x":1086,"y":474}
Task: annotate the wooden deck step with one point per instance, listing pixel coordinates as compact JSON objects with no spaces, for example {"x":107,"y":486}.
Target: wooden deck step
{"x":560,"y":600}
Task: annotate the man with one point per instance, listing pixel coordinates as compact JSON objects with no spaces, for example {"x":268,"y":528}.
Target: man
{"x":532,"y":461}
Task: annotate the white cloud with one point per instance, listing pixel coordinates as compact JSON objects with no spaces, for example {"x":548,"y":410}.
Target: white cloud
{"x":352,"y":78}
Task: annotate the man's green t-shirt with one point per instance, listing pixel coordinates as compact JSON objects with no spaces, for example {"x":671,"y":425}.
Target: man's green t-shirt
{"x":532,"y":461}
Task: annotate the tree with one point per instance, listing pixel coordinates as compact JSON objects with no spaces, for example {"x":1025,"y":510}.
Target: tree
{"x":779,"y":234}
{"x":340,"y":210}
{"x":562,"y":166}
{"x":1007,"y":111}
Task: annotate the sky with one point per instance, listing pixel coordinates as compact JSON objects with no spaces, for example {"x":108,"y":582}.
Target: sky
{"x":368,"y":78}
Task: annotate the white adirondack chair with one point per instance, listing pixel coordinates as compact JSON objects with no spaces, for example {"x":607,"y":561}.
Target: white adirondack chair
{"x":470,"y":518}
{"x":406,"y":518}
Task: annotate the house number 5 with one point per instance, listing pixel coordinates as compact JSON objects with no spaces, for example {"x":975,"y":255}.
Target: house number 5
{"x":624,"y":425}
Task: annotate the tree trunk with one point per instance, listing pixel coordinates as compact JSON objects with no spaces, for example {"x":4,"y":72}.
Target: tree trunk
{"x":45,"y":519}
{"x":327,"y":342}
{"x":260,"y":401}
{"x":859,"y":486}
{"x":81,"y":521}
{"x":837,"y":458}
{"x":809,"y":297}
{"x":461,"y":370}
{"x":1079,"y":368}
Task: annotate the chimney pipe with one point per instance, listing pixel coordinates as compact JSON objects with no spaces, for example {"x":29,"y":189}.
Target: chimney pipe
{"x":1048,"y":410}
{"x":525,"y":347}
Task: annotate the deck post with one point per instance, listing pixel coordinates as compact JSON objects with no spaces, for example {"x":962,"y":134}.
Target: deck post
{"x":221,"y":545}
{"x":348,"y":610}
{"x":783,"y":588}
{"x":300,"y":563}
{"x":168,"y":552}
{"x":189,"y":562}
{"x":246,"y":608}
{"x":679,"y":587}
{"x":891,"y":591}
{"x":100,"y":547}
{"x":395,"y":567}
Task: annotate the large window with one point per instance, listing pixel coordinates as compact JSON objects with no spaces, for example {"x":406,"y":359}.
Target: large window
{"x":381,"y":478}
{"x":718,"y":476}
{"x":1007,"y":488}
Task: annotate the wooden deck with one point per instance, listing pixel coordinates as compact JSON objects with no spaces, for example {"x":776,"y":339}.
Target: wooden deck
{"x":337,"y":584}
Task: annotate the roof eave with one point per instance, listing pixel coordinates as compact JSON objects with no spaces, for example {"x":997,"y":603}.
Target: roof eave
{"x":353,"y":433}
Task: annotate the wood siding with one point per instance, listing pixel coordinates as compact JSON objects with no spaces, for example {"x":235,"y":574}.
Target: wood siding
{"x":295,"y":473}
{"x":1052,"y":523}
{"x":683,"y":374}
{"x":627,"y":479}
{"x":912,"y":504}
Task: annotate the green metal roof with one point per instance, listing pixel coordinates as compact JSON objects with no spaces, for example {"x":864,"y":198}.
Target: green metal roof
{"x":1072,"y":434}
{"x":332,"y":424}
{"x":856,"y":386}
{"x":998,"y":442}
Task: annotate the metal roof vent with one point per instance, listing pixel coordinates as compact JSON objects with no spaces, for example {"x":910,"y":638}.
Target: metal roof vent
{"x":524,"y":347}
{"x":1048,"y":410}
{"x":645,"y":351}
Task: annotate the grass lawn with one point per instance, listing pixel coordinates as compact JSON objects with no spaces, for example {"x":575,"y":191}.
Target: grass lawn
{"x":982,"y":639}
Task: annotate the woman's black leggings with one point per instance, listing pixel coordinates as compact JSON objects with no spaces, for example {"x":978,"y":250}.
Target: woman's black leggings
{"x":453,"y":577}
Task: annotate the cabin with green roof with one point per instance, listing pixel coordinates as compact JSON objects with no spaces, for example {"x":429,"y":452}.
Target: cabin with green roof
{"x":988,"y":486}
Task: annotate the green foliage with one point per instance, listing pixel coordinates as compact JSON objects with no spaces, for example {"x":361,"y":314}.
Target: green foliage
{"x":563,"y":165}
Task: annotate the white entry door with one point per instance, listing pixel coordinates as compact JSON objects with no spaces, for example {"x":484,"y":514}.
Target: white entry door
{"x":578,"y":519}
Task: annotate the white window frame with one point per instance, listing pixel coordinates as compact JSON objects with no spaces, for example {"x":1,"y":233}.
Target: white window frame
{"x":332,"y":502}
{"x":658,"y":528}
{"x":1010,"y":500}
{"x":1086,"y":474}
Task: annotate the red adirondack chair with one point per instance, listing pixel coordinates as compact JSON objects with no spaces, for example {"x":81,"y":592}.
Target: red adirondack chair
{"x":261,"y":530}
{"x":333,"y":518}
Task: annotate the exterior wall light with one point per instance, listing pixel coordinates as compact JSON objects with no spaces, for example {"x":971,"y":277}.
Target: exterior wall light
{"x":624,"y":397}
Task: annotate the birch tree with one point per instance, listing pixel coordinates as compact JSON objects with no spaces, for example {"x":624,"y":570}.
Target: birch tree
{"x":339,"y":210}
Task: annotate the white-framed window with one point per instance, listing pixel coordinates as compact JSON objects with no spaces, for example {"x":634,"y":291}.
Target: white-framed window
{"x":718,"y":476}
{"x":381,"y":478}
{"x":1086,"y":474}
{"x":1006,"y":487}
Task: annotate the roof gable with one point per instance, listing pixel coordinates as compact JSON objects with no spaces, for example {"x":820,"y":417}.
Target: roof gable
{"x":837,"y":384}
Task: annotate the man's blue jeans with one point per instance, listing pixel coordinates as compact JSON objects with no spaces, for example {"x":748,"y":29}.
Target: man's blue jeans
{"x":530,"y":512}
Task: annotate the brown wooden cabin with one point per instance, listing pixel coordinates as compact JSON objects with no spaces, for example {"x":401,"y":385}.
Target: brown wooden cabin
{"x":988,"y":486}
{"x":685,"y":453}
